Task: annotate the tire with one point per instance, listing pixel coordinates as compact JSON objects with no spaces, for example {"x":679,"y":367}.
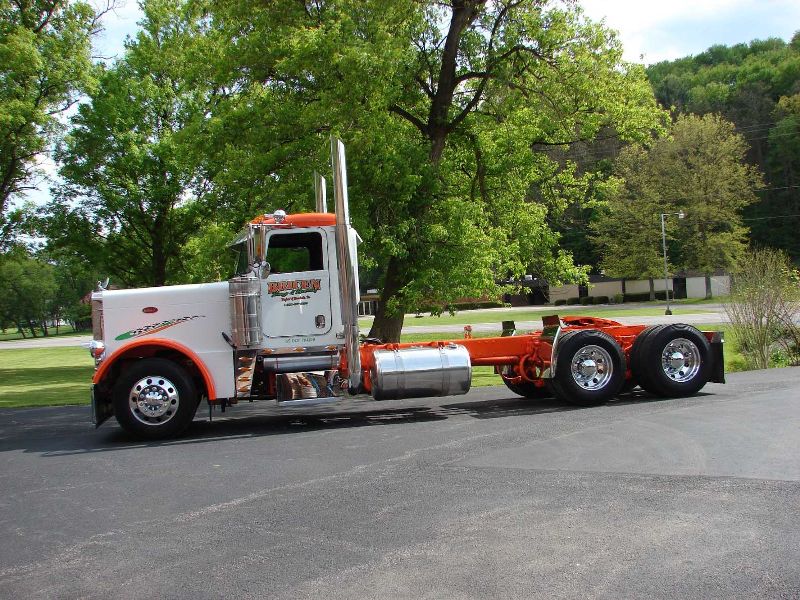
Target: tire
{"x":590,"y":368}
{"x":155,"y":399}
{"x":526,"y":388}
{"x":673,"y":361}
{"x":637,"y":358}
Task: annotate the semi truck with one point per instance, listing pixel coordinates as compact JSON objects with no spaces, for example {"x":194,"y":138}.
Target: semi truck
{"x":284,"y":330}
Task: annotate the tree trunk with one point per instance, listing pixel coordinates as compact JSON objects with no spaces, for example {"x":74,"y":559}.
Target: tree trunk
{"x":32,"y":327}
{"x":159,"y":264}
{"x":44,"y":327}
{"x":652,"y":289}
{"x":21,"y":331}
{"x":387,"y":327}
{"x":708,"y":286}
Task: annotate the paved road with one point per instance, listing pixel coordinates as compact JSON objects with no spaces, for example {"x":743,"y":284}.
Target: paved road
{"x":483,"y":496}
{"x":49,"y":342}
{"x":714,"y":314}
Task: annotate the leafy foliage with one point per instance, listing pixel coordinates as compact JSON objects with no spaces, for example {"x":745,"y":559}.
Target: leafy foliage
{"x":700,"y":170}
{"x":131,"y":191}
{"x":44,"y":65}
{"x":27,"y":291}
{"x":441,"y":107}
{"x":750,"y":85}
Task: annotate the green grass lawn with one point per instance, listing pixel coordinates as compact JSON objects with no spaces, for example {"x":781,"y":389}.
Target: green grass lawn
{"x":488,"y":316}
{"x":45,"y":377}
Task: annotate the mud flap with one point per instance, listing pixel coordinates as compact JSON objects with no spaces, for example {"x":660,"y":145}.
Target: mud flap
{"x":717,"y":359}
{"x":101,"y":411}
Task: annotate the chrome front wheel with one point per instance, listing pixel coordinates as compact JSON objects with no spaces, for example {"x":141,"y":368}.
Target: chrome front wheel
{"x":155,"y":398}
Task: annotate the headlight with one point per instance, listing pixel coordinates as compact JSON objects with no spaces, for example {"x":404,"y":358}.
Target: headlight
{"x":97,"y":349}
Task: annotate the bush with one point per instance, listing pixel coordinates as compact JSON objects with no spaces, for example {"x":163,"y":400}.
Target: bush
{"x":644,"y":297}
{"x":601,"y":300}
{"x":585,"y":300}
{"x":572,"y":301}
{"x":763,"y":309}
{"x":477,"y":305}
{"x":619,"y":298}
{"x":455,"y":307}
{"x":560,"y":302}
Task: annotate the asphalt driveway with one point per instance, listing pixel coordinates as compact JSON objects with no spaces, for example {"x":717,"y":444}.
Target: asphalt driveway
{"x":481,"y":496}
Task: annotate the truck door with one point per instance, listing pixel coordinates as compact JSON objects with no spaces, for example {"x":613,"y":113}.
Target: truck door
{"x":297,"y":293}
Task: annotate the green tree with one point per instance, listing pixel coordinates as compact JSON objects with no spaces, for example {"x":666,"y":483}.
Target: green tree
{"x":131,"y":194}
{"x":441,"y":106}
{"x":45,"y":64}
{"x":783,"y":170}
{"x":27,"y":290}
{"x":206,"y":257}
{"x":627,"y":229}
{"x":75,"y":278}
{"x":701,"y":170}
{"x":744,"y":84}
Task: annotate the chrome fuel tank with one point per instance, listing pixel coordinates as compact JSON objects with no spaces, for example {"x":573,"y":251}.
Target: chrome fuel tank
{"x":419,"y":372}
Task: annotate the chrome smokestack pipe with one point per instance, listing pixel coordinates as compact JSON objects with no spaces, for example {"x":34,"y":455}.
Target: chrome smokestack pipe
{"x":347,"y":278}
{"x":320,"y":193}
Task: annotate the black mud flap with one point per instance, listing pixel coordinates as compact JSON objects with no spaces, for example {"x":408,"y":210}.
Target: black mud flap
{"x":101,"y":410}
{"x":717,"y":359}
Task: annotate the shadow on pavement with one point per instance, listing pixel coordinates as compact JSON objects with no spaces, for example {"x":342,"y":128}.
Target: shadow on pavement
{"x":59,"y":431}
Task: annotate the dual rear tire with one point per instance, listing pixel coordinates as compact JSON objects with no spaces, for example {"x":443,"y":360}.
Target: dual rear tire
{"x":666,"y":360}
{"x":671,"y":361}
{"x":590,"y":368}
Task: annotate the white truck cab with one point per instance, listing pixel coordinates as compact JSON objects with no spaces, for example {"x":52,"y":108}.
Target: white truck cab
{"x":289,"y":308}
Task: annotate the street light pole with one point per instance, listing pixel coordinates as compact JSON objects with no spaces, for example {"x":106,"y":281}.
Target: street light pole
{"x":680,"y":214}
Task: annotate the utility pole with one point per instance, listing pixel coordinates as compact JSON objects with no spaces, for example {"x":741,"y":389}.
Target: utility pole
{"x":680,"y":214}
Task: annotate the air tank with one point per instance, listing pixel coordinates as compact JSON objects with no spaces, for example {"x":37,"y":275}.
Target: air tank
{"x":419,"y":372}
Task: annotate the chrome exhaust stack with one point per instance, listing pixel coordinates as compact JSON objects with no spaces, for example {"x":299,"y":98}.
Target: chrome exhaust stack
{"x":320,"y":193}
{"x":347,"y":277}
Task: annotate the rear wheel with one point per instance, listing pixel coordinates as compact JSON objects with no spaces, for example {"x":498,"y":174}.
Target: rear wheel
{"x":590,"y":368}
{"x":155,"y":399}
{"x":672,"y":361}
{"x":523,"y":388}
{"x":637,"y":357}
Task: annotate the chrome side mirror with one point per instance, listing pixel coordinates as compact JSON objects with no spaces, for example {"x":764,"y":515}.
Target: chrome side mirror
{"x":263,"y":269}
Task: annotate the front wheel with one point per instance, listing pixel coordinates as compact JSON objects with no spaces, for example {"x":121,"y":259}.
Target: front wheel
{"x":155,"y":398}
{"x":590,"y":368}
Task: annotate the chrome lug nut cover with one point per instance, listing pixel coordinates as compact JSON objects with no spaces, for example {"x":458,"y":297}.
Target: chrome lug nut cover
{"x":153,"y":400}
{"x":680,"y":360}
{"x":592,"y":367}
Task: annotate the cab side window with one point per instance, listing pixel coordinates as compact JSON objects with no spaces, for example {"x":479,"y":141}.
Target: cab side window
{"x":295,"y":252}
